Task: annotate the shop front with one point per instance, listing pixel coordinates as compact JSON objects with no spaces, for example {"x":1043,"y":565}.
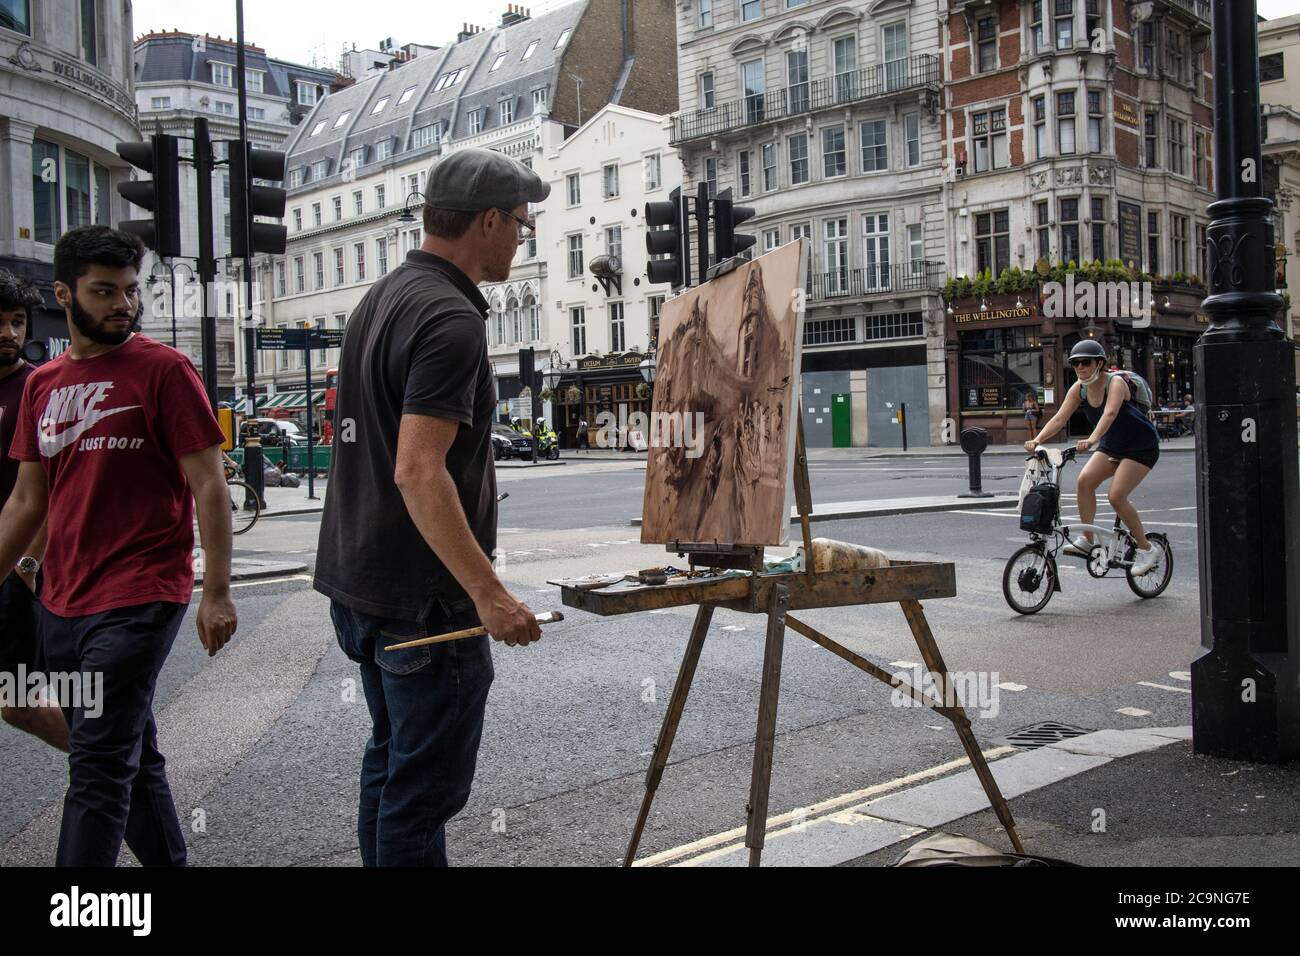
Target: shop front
{"x":1002,"y":349}
{"x":599,"y":383}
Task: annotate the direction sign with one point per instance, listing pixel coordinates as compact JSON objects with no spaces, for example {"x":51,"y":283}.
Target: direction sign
{"x":281,"y":339}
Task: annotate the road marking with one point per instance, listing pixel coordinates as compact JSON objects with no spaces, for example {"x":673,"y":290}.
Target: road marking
{"x":545,"y":550}
{"x":257,"y":581}
{"x":905,"y":665}
{"x":1177,"y":690}
{"x":1008,"y":685}
{"x":733,"y":627}
{"x":806,"y":814}
{"x":1181,"y":675}
{"x":1133,"y":712}
{"x":991,"y":512}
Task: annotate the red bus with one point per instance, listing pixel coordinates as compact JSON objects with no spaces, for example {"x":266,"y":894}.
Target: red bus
{"x":331,"y":397}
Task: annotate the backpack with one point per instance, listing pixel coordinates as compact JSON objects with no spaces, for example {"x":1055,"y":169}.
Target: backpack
{"x":1139,"y":390}
{"x":1040,"y":508}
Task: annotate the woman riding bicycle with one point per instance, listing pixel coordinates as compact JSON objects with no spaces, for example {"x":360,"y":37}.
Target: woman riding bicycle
{"x":1128,"y":442}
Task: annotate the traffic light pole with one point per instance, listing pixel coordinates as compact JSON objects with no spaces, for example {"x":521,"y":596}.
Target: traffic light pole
{"x":207,"y":262}
{"x":1245,"y":699}
{"x":255,"y":476}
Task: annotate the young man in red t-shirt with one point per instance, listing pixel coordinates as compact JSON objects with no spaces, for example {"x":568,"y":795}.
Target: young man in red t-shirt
{"x":118,"y":443}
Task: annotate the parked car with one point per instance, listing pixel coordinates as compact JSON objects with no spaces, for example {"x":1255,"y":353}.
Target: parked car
{"x":279,"y":433}
{"x":510,"y":444}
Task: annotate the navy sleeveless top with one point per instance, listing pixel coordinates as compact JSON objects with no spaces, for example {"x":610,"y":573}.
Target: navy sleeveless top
{"x":1130,"y":431}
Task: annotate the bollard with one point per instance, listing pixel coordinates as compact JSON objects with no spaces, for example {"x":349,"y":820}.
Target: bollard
{"x":973,"y":442}
{"x":253,"y":463}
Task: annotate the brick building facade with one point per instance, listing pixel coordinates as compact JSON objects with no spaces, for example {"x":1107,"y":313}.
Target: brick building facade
{"x":1074,"y":131}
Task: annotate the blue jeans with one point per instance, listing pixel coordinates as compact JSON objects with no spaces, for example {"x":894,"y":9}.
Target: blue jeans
{"x":117,"y":782}
{"x":426,"y":711}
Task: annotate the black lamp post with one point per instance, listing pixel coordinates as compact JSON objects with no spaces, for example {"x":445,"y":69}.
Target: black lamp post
{"x":414,"y":199}
{"x":1245,"y":699}
{"x":170,"y":268}
{"x":555,"y":366}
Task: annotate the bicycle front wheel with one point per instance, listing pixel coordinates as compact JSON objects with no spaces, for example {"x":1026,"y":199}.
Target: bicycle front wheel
{"x":1153,"y":583}
{"x":244,"y":506}
{"x":1029,"y":579}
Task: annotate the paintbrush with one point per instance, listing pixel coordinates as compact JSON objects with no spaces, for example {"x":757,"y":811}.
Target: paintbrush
{"x":548,"y":617}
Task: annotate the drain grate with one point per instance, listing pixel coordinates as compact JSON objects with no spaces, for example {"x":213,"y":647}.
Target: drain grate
{"x":1042,"y":734}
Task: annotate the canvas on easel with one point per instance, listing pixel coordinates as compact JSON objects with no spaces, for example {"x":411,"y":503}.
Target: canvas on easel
{"x":725,"y":407}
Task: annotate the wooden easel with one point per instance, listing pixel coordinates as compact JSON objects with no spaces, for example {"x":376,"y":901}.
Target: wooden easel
{"x":776,"y":595}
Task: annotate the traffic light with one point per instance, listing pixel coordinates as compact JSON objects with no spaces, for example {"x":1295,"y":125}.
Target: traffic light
{"x":726,"y":217}
{"x":528,"y":375}
{"x":248,"y":201}
{"x":161,"y":195}
{"x":672,"y":241}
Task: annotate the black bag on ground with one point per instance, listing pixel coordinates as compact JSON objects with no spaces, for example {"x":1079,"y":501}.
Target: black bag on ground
{"x":1039,"y":510}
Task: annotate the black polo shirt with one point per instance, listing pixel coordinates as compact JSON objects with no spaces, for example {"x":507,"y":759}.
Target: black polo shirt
{"x":416,"y":344}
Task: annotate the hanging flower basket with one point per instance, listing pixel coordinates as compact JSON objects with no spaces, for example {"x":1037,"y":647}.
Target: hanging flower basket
{"x":574,"y":395}
{"x":547,"y":394}
{"x":642,"y":390}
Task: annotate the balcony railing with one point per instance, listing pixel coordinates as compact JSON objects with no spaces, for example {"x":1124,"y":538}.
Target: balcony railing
{"x":1198,"y":8}
{"x":841,"y":89}
{"x":900,"y":277}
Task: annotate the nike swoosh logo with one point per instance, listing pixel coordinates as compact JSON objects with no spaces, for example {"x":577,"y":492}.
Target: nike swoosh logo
{"x":51,"y":445}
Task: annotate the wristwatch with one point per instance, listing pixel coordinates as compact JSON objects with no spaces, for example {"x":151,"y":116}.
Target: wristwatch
{"x":28,"y":565}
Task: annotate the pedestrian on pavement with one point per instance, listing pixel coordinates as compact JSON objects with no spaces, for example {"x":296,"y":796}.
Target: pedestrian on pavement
{"x":410,"y":521}
{"x":1127,"y":441}
{"x":583,"y":441}
{"x":19,"y":633}
{"x":117,"y":443}
{"x":1033,"y":412}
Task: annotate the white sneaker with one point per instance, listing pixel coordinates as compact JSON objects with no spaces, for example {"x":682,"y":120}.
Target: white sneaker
{"x":1080,"y":546}
{"x":1144,"y":561}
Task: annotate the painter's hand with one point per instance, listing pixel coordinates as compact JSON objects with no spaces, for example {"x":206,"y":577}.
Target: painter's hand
{"x":217,"y":620}
{"x":508,"y":619}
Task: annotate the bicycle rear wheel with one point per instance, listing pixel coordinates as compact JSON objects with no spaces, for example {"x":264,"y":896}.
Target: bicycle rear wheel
{"x":1029,"y":579}
{"x":1153,"y":583}
{"x":244,"y":506}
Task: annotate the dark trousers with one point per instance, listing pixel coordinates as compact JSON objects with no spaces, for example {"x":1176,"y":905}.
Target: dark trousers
{"x":426,"y":711}
{"x":117,"y":785}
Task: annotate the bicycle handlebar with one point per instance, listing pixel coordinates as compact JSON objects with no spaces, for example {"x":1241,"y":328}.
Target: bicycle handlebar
{"x":1068,"y":454}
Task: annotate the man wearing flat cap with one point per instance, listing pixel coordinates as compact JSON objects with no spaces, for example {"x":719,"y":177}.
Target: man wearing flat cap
{"x":410,"y":520}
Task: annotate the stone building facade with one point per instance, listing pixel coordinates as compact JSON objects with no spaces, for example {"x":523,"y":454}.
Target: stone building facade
{"x":66,"y":100}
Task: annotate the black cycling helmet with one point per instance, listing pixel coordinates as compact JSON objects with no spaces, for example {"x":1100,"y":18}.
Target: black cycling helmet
{"x":1086,"y":349}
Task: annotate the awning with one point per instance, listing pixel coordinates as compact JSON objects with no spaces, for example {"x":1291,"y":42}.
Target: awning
{"x":289,"y":400}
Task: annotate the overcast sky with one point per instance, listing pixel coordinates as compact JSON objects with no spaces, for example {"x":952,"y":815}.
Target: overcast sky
{"x":298,"y":30}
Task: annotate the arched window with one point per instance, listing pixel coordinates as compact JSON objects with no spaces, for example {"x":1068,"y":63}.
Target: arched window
{"x":498,"y":325}
{"x":531,"y":318}
{"x":512,"y":320}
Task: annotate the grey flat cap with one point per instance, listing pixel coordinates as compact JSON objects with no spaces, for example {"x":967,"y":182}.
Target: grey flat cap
{"x":474,"y":179}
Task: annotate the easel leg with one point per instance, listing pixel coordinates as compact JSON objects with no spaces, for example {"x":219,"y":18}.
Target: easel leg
{"x":765,"y":739}
{"x":929,"y":649}
{"x":671,"y":719}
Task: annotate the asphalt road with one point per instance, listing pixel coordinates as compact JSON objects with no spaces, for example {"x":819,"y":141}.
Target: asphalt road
{"x":264,"y":741}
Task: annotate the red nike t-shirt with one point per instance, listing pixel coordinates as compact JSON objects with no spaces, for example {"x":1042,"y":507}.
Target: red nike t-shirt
{"x":110,"y":431}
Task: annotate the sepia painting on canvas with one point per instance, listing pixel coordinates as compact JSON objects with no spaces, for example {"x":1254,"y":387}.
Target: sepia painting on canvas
{"x":728,"y":382}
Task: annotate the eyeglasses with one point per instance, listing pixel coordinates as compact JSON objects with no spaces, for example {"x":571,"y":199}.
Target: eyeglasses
{"x":525,"y":228}
{"x":1075,"y":363}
